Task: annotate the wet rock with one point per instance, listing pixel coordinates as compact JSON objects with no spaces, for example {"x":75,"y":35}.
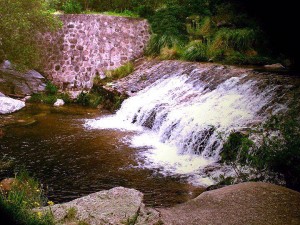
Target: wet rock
{"x":275,"y":66}
{"x":26,"y":122}
{"x":59,"y":102}
{"x":116,"y":206}
{"x":9,"y":105}
{"x":246,"y":203}
{"x":6,"y":184}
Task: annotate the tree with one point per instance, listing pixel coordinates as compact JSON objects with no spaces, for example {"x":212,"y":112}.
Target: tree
{"x":21,"y":23}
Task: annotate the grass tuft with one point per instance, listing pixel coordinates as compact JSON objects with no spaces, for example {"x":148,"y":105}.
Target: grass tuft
{"x":120,"y":72}
{"x":26,"y":193}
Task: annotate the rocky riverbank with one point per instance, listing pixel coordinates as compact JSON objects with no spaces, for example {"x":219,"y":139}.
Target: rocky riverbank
{"x":246,"y":203}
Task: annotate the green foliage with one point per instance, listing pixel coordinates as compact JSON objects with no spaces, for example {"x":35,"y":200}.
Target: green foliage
{"x":51,"y":89}
{"x":279,"y":151}
{"x":89,"y":99}
{"x":20,"y":24}
{"x":54,"y":4}
{"x":217,"y":32}
{"x":125,"y":13}
{"x":72,"y":7}
{"x":157,"y":43}
{"x":50,"y":96}
{"x":237,"y":39}
{"x":43,"y":98}
{"x":201,"y":29}
{"x":170,"y":53}
{"x":169,"y":21}
{"x":236,"y":148}
{"x":133,"y":220}
{"x":71,"y":214}
{"x":224,"y":180}
{"x":195,"y":51}
{"x":120,"y":72}
{"x":145,"y":11}
{"x":26,"y":194}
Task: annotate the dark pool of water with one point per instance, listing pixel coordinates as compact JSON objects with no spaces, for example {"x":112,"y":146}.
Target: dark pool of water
{"x":72,"y":161}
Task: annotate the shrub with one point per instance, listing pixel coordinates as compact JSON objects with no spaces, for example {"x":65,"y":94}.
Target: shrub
{"x":278,"y":152}
{"x":21,"y":23}
{"x":89,"y":99}
{"x":43,"y":98}
{"x":54,"y":4}
{"x":51,"y":89}
{"x":170,"y":53}
{"x":169,"y":21}
{"x":237,"y":39}
{"x":200,"y":29}
{"x":145,"y":11}
{"x":50,"y":96}
{"x":195,"y":51}
{"x":26,"y":194}
{"x":157,"y":43}
{"x":72,"y":7}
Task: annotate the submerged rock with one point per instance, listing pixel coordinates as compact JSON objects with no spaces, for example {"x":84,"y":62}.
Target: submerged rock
{"x":246,"y":203}
{"x":59,"y":102}
{"x":275,"y":66}
{"x":9,"y":105}
{"x":116,"y":206}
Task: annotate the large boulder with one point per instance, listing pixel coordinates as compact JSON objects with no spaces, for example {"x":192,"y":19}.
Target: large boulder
{"x":13,"y":82}
{"x":246,"y":203}
{"x":116,"y":206}
{"x":9,"y":105}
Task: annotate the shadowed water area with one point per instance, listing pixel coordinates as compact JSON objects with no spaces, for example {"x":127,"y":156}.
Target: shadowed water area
{"x":72,"y":161}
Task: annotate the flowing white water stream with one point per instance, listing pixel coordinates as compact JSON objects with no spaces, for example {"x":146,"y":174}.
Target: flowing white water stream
{"x":179,"y":118}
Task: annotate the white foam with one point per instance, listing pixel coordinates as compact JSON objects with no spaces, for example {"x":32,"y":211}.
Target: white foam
{"x":185,"y":118}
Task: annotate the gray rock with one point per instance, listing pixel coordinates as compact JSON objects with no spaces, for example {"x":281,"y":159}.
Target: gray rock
{"x":6,"y":65}
{"x":25,"y":99}
{"x":116,"y":206}
{"x":59,"y":102}
{"x":9,"y":105}
{"x":32,"y":74}
{"x":1,"y":94}
{"x":18,"y":83}
{"x":74,"y":94}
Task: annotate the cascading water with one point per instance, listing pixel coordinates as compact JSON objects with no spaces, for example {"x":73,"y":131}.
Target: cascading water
{"x":179,"y":118}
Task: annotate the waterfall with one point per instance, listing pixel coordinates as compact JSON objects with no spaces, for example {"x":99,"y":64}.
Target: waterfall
{"x":179,"y":118}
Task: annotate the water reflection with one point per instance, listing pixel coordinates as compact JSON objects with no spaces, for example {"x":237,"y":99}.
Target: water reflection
{"x":53,"y":144}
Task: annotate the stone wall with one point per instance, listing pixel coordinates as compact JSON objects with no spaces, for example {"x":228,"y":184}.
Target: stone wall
{"x":88,"y":45}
